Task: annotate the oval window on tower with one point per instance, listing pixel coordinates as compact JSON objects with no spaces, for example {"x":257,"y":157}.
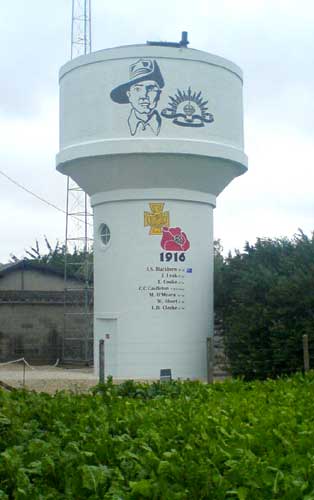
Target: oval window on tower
{"x":104,"y":234}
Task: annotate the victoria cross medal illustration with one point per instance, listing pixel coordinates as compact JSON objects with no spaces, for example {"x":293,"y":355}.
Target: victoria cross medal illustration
{"x":142,"y":92}
{"x":157,"y":218}
{"x":188,"y":109}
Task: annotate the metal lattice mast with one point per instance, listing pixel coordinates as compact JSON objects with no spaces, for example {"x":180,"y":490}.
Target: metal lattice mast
{"x":81,"y":33}
{"x":78,"y":332}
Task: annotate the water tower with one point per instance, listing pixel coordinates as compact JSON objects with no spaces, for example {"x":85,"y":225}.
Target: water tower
{"x":153,"y":133}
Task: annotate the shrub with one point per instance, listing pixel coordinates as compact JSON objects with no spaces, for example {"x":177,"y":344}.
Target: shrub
{"x":266,"y":298}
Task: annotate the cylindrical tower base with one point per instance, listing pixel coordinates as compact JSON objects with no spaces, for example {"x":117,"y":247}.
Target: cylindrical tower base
{"x":153,"y":281}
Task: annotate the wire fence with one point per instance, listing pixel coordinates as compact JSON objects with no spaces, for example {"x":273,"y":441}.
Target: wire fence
{"x":24,"y":364}
{"x":305,"y":355}
{"x":49,"y":378}
{"x":259,"y":358}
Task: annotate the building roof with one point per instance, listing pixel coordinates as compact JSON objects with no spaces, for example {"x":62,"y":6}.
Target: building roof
{"x":33,"y":265}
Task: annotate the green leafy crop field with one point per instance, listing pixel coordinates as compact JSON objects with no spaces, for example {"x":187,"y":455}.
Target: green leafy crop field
{"x":234,"y":440}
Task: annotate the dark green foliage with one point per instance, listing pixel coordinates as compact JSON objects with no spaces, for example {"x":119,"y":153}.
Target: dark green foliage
{"x":266,"y":298}
{"x":54,"y":256}
{"x":187,"y":441}
{"x":131,"y":389}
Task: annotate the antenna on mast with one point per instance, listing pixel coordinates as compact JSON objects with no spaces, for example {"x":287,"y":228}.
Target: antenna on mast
{"x":77,"y":345}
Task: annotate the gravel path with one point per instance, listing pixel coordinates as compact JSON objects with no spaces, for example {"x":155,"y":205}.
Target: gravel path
{"x":48,"y":378}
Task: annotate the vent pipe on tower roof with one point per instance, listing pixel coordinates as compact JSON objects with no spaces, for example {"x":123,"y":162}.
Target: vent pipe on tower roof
{"x":183,"y":42}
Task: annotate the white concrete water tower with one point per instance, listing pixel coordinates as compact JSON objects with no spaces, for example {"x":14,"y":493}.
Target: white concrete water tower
{"x":153,"y":133}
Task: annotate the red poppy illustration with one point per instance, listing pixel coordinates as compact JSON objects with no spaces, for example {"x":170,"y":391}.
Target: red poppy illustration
{"x":174,"y":239}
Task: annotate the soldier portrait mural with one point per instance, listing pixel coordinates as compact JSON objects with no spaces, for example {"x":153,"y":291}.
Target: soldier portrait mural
{"x":142,"y":93}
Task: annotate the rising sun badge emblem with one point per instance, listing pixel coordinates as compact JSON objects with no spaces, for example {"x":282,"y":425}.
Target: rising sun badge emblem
{"x":188,"y":109}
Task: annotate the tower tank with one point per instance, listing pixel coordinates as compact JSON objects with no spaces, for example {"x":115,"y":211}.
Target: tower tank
{"x":153,"y":134}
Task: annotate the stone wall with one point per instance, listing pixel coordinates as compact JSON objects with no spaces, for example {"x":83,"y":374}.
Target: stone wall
{"x":32,"y":324}
{"x":221,"y":365}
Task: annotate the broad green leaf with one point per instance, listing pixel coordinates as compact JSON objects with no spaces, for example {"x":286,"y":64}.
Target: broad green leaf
{"x":142,"y":487}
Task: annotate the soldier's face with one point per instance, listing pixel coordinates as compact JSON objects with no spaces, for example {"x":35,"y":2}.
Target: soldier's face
{"x":144,"y":96}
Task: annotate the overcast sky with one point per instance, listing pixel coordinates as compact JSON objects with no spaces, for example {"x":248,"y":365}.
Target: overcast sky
{"x":271,"y":40}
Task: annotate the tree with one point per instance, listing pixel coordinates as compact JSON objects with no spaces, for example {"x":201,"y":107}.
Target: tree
{"x":266,"y":298}
{"x":55,"y":256}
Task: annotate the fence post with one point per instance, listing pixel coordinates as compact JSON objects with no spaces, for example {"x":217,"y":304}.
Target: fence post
{"x":306,"y":356}
{"x":210,"y":359}
{"x":101,"y":361}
